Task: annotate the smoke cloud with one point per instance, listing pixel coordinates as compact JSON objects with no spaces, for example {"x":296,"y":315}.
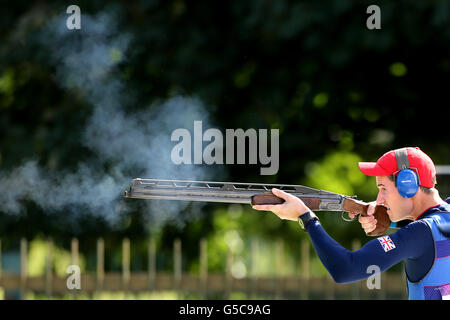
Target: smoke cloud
{"x":132,"y":144}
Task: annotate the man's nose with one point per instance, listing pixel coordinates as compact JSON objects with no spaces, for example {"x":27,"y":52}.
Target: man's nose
{"x":380,"y":198}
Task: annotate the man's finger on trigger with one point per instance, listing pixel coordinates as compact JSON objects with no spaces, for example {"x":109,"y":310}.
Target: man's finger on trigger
{"x":352,"y":215}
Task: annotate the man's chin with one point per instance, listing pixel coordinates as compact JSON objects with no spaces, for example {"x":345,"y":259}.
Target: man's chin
{"x":391,"y":216}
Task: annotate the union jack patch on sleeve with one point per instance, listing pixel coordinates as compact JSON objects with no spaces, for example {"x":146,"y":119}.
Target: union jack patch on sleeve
{"x":386,"y":243}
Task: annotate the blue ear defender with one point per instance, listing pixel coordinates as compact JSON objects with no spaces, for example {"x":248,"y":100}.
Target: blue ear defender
{"x":407,"y":180}
{"x":407,"y":183}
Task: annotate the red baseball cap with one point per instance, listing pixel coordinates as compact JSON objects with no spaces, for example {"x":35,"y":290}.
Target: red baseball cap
{"x":387,"y":165}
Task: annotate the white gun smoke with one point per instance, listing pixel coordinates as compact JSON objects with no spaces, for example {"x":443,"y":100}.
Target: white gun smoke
{"x":132,"y":144}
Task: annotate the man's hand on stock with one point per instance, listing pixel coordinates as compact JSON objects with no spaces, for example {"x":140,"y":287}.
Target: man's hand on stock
{"x":291,"y":209}
{"x":368,"y":223}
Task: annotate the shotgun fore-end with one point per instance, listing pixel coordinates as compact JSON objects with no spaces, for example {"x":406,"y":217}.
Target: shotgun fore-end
{"x":268,"y":198}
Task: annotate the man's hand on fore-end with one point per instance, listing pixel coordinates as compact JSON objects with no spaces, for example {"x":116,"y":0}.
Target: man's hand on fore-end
{"x":291,"y":209}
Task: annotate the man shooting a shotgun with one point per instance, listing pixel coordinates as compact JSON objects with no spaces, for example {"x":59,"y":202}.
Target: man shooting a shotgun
{"x":405,"y":179}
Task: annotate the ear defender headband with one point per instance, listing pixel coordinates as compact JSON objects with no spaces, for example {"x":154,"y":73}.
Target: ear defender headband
{"x":407,"y":180}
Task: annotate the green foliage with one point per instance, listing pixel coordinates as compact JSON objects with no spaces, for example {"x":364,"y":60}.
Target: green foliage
{"x":338,"y":172}
{"x":398,"y":69}
{"x":38,"y":254}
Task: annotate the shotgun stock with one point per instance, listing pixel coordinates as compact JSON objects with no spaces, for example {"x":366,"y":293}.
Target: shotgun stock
{"x":252,"y":193}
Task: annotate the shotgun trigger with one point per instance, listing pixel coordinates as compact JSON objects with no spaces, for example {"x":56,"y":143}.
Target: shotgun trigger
{"x":348,"y":219}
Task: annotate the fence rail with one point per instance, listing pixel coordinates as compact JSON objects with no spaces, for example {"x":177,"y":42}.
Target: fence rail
{"x":204,"y":284}
{"x":278,"y":287}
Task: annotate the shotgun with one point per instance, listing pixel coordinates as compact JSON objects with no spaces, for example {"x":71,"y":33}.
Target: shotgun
{"x":253,"y":193}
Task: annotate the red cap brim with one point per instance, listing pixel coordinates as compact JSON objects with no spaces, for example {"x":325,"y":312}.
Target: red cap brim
{"x":372,"y":169}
